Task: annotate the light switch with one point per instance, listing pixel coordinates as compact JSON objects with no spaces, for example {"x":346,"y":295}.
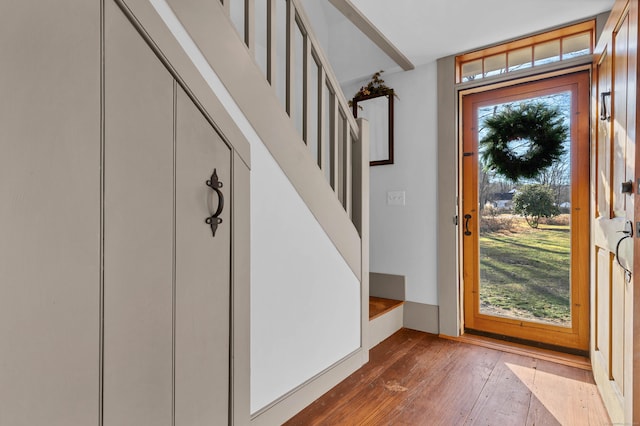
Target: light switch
{"x":395,"y":198}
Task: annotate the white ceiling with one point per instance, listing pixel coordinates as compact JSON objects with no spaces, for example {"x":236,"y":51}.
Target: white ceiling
{"x":425,"y":30}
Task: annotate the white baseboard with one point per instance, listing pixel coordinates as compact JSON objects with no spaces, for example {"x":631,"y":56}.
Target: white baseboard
{"x":290,"y":404}
{"x":421,"y":317}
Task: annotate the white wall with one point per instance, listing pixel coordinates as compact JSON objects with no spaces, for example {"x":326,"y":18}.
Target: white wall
{"x":318,"y":13}
{"x":350,"y":53}
{"x":403,"y":238}
{"x":303,"y":293}
{"x":348,"y":50}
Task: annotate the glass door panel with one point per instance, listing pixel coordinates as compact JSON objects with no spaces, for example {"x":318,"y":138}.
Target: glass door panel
{"x":525,"y":250}
{"x":525,"y":239}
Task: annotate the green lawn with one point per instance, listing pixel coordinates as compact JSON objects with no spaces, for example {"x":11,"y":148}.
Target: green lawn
{"x":525,"y":273}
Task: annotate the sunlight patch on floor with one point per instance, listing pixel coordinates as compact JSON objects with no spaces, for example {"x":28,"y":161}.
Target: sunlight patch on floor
{"x":559,"y":395}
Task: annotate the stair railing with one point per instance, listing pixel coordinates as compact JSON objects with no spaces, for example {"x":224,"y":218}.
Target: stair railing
{"x":279,"y":37}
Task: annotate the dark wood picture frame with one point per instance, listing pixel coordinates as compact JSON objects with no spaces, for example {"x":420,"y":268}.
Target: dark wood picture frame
{"x":377,"y":141}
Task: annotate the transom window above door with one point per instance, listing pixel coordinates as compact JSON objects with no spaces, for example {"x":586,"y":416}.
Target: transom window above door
{"x":553,"y":46}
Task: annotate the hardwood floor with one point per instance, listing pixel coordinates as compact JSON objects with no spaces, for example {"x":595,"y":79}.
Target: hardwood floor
{"x":415,"y":378}
{"x":379,"y":306}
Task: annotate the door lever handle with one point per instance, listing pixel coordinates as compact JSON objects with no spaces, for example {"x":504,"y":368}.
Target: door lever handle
{"x":467,"y":218}
{"x":604,"y":114}
{"x":628,"y":233}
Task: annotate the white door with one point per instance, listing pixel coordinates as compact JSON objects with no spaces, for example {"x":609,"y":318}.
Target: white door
{"x":613,"y":164}
{"x":166,"y":276}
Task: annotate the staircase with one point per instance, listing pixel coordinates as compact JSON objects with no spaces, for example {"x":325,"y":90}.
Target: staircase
{"x":385,"y":318}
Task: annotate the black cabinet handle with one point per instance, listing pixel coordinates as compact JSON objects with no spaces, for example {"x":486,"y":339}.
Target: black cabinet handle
{"x":213,"y":221}
{"x":467,"y":217}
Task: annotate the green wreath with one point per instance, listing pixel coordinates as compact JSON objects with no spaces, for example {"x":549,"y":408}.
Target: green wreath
{"x":537,"y":125}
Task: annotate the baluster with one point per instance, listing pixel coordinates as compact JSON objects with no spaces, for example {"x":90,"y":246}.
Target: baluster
{"x":360,"y":166}
{"x":322,"y":118}
{"x":299,"y":76}
{"x":340,"y":157}
{"x":302,"y":97}
{"x":348,"y":172}
{"x":320,"y":93}
{"x":290,"y":61}
{"x":271,"y":42}
{"x":335,"y":135}
{"x":249,"y":26}
{"x":309,"y":97}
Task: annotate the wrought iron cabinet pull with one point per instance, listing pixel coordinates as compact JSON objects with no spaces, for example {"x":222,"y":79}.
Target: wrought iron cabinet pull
{"x":214,"y":220}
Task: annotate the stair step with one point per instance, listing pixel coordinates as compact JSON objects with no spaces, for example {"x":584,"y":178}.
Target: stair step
{"x":379,"y":306}
{"x":385,"y":318}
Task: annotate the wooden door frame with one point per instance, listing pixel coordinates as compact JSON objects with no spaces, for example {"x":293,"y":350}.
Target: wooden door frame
{"x":576,"y":337}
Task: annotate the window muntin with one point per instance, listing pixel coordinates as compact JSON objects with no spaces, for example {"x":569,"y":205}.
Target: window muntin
{"x":553,"y":46}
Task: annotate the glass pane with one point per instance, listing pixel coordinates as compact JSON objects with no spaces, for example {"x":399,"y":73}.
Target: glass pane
{"x":525,"y":259}
{"x":546,"y":53}
{"x":327,"y":139}
{"x":298,"y":89}
{"x":472,"y":70}
{"x":520,"y":59}
{"x":495,"y":65}
{"x":312,"y":139}
{"x":237,"y":16}
{"x":577,"y":45}
{"x":281,"y":50}
{"x":260,"y":10}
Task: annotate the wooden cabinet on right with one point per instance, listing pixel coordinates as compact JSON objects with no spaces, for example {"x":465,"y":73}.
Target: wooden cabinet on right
{"x":615,"y":251}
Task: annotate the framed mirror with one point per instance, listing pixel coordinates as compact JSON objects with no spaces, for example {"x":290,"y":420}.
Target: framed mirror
{"x":378,"y":110}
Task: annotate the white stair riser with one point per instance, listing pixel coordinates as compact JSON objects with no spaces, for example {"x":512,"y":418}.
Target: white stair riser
{"x":385,"y":325}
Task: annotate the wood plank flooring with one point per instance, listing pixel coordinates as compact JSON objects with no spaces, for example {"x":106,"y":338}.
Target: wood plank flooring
{"x":415,"y":378}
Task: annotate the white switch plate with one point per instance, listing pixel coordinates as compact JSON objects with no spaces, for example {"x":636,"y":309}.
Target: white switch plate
{"x":395,"y":198}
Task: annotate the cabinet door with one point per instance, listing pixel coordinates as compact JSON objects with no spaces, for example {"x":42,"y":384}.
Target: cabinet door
{"x":49,"y":213}
{"x":138,"y":229}
{"x":167,"y":277}
{"x":613,"y":291}
{"x":202,"y":271}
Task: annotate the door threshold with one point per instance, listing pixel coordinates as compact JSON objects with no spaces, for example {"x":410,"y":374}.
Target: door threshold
{"x":571,"y":360}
